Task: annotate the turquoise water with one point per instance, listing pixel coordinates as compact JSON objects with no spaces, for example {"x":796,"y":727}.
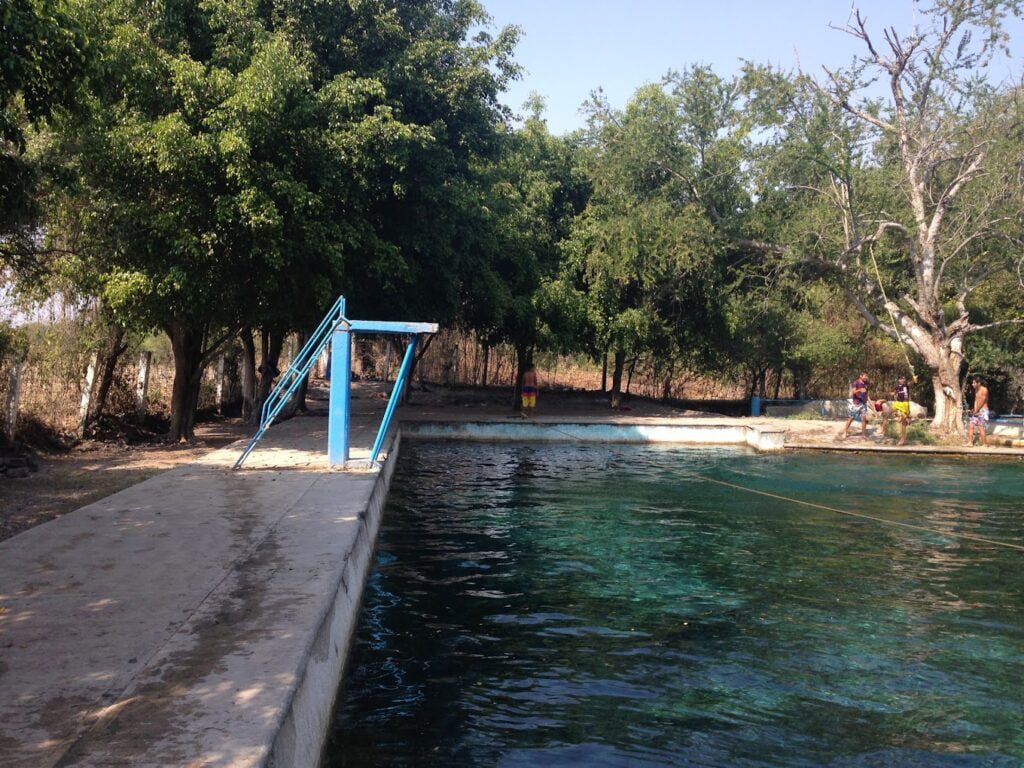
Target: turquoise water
{"x":593,"y":605}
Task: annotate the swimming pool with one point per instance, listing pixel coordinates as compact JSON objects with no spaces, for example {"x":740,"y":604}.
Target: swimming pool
{"x":594,"y":605}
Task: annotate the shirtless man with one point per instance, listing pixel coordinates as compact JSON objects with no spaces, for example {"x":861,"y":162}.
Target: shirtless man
{"x":979,"y":413}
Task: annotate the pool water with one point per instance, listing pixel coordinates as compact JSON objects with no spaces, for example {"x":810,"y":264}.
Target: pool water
{"x":593,"y":605}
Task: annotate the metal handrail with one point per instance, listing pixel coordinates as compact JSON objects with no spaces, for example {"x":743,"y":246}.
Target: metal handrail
{"x":296,"y":373}
{"x":316,"y":341}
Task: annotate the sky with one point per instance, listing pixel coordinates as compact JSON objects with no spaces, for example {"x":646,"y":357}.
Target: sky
{"x":569,"y":48}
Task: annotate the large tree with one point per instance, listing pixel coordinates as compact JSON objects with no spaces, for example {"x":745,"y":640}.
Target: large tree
{"x":645,"y":252}
{"x":920,"y":192}
{"x":242,"y":163}
{"x":533,"y":191}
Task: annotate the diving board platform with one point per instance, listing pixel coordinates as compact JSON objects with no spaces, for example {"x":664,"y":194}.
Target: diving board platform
{"x":338,"y":330}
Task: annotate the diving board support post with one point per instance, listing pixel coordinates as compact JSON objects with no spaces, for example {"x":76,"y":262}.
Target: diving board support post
{"x":340,"y":410}
{"x":339,"y":414}
{"x":396,"y":393}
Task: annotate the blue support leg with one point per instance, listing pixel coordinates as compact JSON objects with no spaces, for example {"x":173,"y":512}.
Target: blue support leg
{"x":340,"y":411}
{"x":396,"y":393}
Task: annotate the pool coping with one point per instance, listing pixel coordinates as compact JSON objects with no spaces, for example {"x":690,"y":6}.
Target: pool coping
{"x":977,"y":452}
{"x":649,"y":432}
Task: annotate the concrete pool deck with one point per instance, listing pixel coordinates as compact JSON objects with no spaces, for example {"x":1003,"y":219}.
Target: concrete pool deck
{"x":201,"y":617}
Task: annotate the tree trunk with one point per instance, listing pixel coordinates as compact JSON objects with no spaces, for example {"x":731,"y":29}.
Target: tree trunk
{"x":944,"y":370}
{"x":112,"y":354}
{"x":303,"y":390}
{"x":248,"y":375}
{"x":629,"y":377}
{"x":620,"y":364}
{"x":187,"y":347}
{"x":604,"y":371}
{"x":272,"y":344}
{"x":757,"y":379}
{"x":487,"y":364}
{"x":517,"y":392}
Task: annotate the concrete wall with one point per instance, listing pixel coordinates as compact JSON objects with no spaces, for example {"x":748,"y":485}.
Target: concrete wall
{"x":760,"y":438}
{"x":303,"y":734}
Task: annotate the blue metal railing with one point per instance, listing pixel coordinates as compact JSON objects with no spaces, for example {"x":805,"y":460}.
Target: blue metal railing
{"x":296,"y":373}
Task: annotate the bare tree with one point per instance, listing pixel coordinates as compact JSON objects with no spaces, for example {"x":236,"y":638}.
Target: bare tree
{"x":956,"y":141}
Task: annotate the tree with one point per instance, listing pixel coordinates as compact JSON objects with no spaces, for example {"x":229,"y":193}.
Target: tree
{"x":533,"y":191}
{"x":241,"y":164}
{"x":948,"y":146}
{"x":645,"y":253}
{"x":42,"y":63}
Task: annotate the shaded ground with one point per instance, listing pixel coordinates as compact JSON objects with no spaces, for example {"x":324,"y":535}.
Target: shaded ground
{"x":93,"y":470}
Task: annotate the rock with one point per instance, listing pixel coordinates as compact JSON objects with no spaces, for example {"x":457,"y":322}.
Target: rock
{"x":14,"y":473}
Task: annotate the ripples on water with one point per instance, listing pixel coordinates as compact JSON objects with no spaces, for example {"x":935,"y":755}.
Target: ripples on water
{"x":595,"y":605}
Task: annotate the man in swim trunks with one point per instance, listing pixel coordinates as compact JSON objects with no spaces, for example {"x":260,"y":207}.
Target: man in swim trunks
{"x":529,"y":390}
{"x":901,"y":406}
{"x":858,"y":406}
{"x":979,"y":413}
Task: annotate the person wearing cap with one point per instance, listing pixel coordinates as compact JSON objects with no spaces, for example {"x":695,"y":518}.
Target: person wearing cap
{"x":901,"y":406}
{"x":858,"y":406}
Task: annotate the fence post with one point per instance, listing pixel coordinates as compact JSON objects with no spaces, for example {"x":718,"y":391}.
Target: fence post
{"x":142,"y":384}
{"x":13,"y":396}
{"x":220,"y":385}
{"x":90,"y":379}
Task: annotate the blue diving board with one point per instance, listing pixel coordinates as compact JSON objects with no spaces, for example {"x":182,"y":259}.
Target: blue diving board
{"x":338,"y":329}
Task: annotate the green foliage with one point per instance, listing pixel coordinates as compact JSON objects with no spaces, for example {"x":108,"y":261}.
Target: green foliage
{"x":646,"y":253}
{"x":14,"y":343}
{"x":918,"y":433}
{"x":42,"y":60}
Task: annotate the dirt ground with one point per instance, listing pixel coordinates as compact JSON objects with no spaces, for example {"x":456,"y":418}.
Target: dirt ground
{"x":94,"y":470}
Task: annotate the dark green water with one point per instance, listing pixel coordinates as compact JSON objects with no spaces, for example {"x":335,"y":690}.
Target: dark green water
{"x":594,"y":605}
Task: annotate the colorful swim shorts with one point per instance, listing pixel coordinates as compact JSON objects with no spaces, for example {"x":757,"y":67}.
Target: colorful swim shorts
{"x":529,"y":397}
{"x":902,"y":407}
{"x":980,"y":418}
{"x":858,"y":411}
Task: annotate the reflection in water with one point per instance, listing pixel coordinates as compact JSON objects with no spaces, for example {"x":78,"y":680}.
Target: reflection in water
{"x":587,"y":605}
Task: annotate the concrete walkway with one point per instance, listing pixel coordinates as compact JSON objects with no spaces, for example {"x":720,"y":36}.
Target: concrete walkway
{"x":190,"y":619}
{"x":202,"y":618}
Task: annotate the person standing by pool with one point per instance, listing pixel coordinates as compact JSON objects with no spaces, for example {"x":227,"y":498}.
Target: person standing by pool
{"x":529,"y":390}
{"x":979,"y":413}
{"x":858,"y":406}
{"x":901,"y":406}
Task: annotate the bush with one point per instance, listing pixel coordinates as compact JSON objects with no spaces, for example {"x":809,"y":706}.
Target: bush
{"x":918,"y":432}
{"x":13,"y":344}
